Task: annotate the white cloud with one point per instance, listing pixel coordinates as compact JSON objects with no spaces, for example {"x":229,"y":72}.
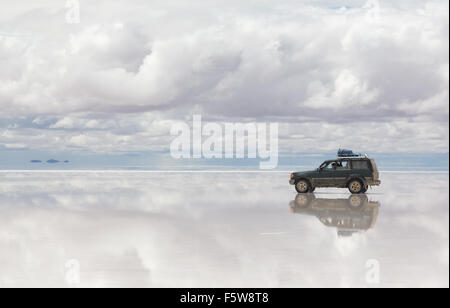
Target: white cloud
{"x":14,"y":146}
{"x":290,"y":61}
{"x":63,"y":123}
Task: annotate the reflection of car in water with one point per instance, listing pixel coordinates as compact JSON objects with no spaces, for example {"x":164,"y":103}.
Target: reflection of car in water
{"x":349,"y":215}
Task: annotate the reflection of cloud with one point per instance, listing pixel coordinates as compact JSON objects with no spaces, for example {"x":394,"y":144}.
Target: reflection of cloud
{"x":150,"y":229}
{"x":347,"y":246}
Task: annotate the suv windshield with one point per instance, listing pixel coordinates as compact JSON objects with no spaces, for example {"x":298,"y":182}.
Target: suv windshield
{"x":323,"y":165}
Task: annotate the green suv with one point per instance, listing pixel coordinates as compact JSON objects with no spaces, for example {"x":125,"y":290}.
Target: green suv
{"x":357,"y":173}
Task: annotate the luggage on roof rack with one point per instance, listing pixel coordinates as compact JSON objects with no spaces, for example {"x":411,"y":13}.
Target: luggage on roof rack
{"x":347,"y":153}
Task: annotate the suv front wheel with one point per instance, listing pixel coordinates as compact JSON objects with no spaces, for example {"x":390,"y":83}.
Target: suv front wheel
{"x":302,"y":186}
{"x":356,"y":186}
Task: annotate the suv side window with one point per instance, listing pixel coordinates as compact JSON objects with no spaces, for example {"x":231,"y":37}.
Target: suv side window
{"x":360,"y":164}
{"x":337,"y":165}
{"x":343,"y":165}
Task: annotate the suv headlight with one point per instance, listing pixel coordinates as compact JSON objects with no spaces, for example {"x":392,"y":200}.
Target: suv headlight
{"x":292,"y":175}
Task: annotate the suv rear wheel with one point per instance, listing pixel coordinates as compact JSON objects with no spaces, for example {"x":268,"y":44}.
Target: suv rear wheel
{"x":356,"y":186}
{"x":302,"y":186}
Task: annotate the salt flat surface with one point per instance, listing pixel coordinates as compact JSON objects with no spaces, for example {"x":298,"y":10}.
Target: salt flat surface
{"x":113,"y":229}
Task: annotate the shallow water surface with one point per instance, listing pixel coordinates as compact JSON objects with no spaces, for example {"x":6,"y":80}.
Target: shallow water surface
{"x":156,"y":229}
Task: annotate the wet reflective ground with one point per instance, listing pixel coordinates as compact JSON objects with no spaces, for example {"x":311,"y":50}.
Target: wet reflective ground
{"x":220,"y":230}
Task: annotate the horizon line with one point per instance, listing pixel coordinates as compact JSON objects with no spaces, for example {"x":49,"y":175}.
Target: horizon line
{"x":197,"y":171}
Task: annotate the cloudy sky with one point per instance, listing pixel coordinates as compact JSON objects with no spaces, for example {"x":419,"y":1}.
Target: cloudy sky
{"x":370,"y":75}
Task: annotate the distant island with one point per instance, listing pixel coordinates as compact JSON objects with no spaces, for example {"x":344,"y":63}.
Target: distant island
{"x":50,"y":161}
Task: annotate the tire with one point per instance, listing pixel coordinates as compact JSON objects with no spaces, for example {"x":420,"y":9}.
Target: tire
{"x":302,"y":186}
{"x":357,"y":201}
{"x":356,"y":186}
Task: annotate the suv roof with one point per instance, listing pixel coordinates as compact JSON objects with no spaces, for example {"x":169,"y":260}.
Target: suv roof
{"x":347,"y":158}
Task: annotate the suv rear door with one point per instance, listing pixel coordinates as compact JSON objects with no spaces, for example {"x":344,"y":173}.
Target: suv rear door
{"x":343,"y":171}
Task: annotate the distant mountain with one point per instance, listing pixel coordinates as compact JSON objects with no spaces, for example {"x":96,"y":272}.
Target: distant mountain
{"x":66,"y":161}
{"x":52,"y":161}
{"x":35,"y":161}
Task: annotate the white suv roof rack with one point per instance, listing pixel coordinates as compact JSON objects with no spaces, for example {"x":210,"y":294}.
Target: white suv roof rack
{"x":342,"y":153}
{"x":354,"y":157}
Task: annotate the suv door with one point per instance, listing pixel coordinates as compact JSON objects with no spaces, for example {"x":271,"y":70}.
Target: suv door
{"x":343,"y":171}
{"x":326,"y":176}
